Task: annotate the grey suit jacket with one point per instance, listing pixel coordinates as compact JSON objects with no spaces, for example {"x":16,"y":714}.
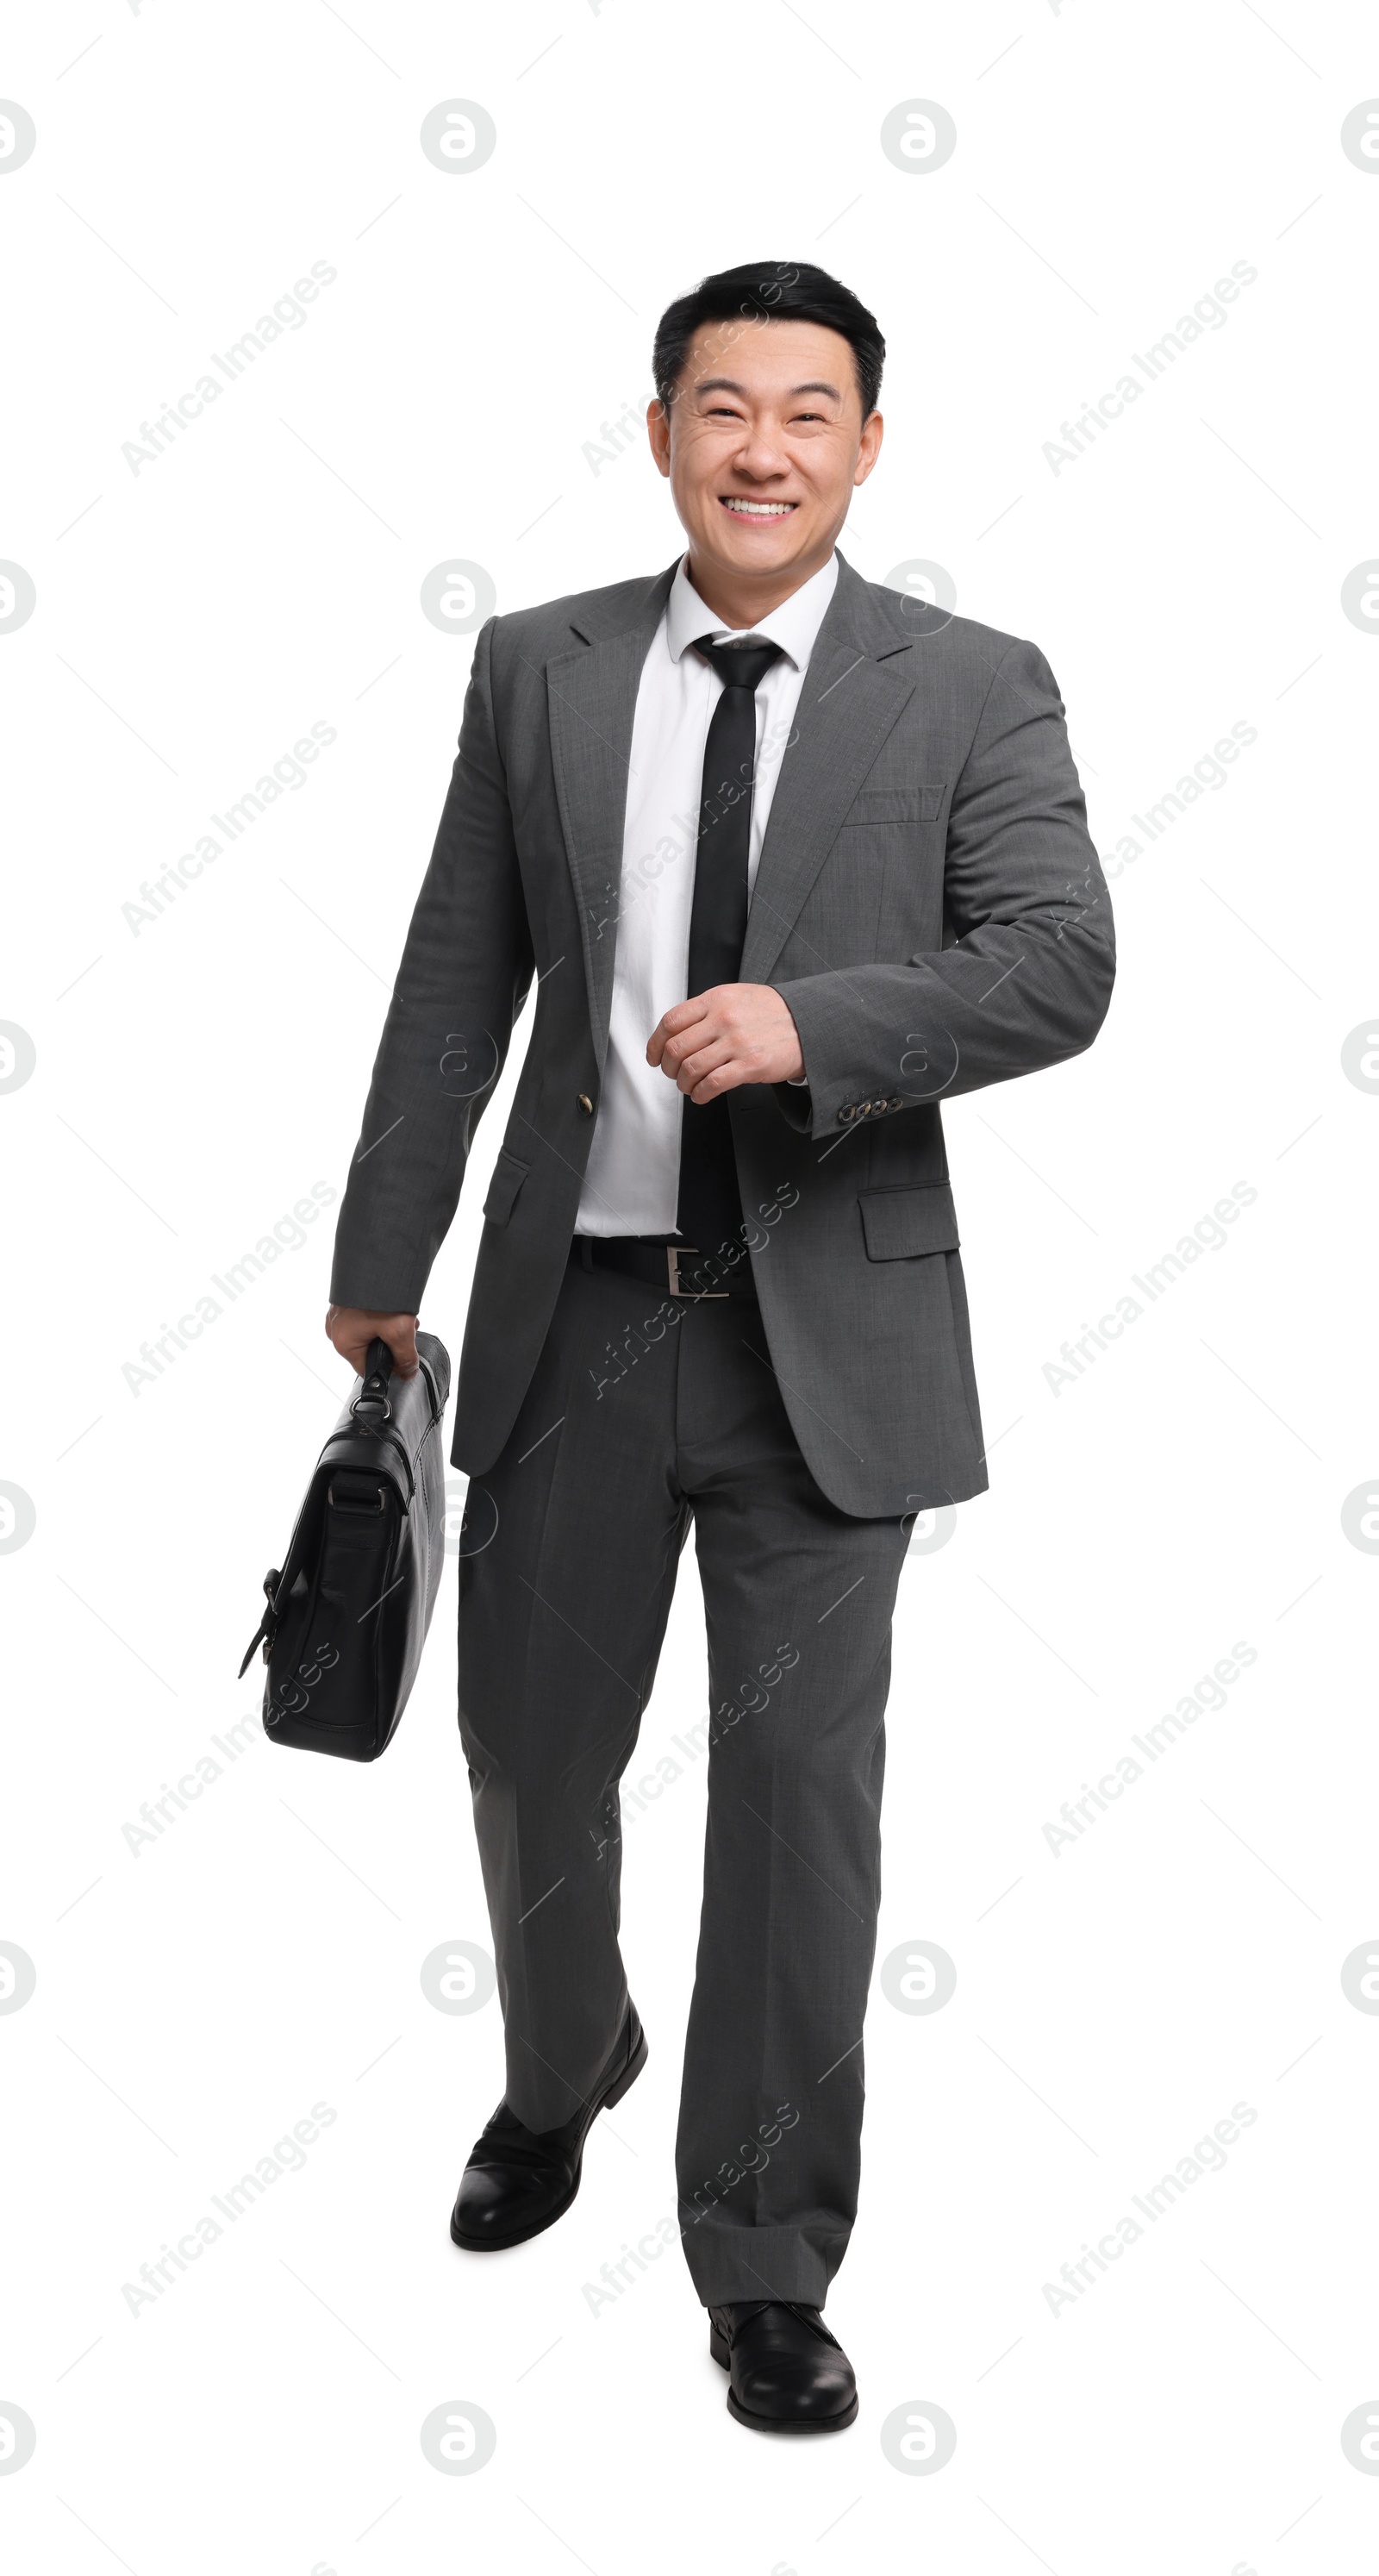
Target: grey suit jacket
{"x":928,"y":903}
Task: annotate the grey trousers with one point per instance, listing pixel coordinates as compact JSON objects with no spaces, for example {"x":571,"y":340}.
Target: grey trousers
{"x":644,"y":1414}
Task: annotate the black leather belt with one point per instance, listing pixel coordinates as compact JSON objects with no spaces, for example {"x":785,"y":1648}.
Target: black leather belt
{"x":677,"y":1269}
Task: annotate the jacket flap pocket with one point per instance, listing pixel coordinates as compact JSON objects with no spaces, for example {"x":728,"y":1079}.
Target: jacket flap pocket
{"x":898,"y":1224}
{"x":508,"y":1176}
{"x":896,"y":805}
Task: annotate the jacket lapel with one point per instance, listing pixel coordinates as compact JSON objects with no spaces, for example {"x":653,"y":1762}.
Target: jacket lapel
{"x":592,"y":697}
{"x":860,"y":676}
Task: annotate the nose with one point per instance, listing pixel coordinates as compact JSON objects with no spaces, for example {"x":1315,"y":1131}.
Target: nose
{"x":759,"y":459}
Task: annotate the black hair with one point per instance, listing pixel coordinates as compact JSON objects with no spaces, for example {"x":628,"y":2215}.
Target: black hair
{"x":770,"y":290}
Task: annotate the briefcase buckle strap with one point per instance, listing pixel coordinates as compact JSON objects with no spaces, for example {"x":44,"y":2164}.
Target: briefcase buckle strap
{"x":267,"y":1628}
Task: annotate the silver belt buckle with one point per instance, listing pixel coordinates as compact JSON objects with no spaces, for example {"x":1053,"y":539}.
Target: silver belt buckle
{"x":673,"y":1252}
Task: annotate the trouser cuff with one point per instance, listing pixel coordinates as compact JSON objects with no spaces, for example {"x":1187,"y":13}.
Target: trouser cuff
{"x":730,"y":2263}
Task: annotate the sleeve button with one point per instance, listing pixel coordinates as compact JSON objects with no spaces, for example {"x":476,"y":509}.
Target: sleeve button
{"x":846,"y":1114}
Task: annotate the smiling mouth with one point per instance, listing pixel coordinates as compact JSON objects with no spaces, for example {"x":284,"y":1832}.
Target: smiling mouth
{"x":741,"y":509}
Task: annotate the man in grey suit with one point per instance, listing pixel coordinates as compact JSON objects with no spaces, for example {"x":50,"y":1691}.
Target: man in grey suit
{"x":788,"y":859}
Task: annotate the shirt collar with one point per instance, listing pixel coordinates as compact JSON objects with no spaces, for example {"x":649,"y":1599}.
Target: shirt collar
{"x":794,"y":625}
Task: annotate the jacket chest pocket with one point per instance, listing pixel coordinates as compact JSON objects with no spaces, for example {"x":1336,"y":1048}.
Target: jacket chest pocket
{"x":897,"y":805}
{"x":888,"y":862}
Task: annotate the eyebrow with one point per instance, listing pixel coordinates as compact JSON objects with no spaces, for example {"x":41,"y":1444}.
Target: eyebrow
{"x":729,"y":385}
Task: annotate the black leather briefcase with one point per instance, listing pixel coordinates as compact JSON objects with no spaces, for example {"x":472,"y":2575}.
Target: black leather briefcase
{"x":348,"y":1613}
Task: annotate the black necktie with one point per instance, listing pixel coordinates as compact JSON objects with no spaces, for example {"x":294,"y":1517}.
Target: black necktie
{"x":709,"y":1212}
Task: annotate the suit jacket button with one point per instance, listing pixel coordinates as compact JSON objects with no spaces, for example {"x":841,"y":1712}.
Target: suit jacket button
{"x":897,"y":1103}
{"x":846,"y":1114}
{"x":586,"y":1104}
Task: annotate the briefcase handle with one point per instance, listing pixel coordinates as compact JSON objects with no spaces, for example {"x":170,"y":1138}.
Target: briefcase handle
{"x":372,"y":1399}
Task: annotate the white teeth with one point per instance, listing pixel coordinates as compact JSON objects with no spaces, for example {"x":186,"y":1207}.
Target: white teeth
{"x":761,"y":509}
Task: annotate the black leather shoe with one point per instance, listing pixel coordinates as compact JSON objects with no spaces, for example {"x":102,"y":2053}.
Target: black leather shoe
{"x":517,"y":2182}
{"x":786,"y":2372}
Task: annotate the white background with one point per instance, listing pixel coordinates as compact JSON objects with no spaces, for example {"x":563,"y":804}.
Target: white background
{"x":197,"y":1073}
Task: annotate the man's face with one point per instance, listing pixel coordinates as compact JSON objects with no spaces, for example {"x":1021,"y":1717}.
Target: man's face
{"x":764,"y":446}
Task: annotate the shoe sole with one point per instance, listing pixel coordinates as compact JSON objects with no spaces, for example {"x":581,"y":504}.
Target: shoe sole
{"x":773,"y":2423}
{"x":523,"y":2235}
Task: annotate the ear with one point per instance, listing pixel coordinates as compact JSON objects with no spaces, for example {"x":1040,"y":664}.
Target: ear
{"x":658,"y":432}
{"x":869,"y":446}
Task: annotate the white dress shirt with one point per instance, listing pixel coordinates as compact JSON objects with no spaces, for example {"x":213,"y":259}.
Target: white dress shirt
{"x":632,"y":1181}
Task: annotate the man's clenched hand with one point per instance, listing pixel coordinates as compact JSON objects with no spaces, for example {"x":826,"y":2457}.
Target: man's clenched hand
{"x":352,"y":1328}
{"x":734,"y":1033}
